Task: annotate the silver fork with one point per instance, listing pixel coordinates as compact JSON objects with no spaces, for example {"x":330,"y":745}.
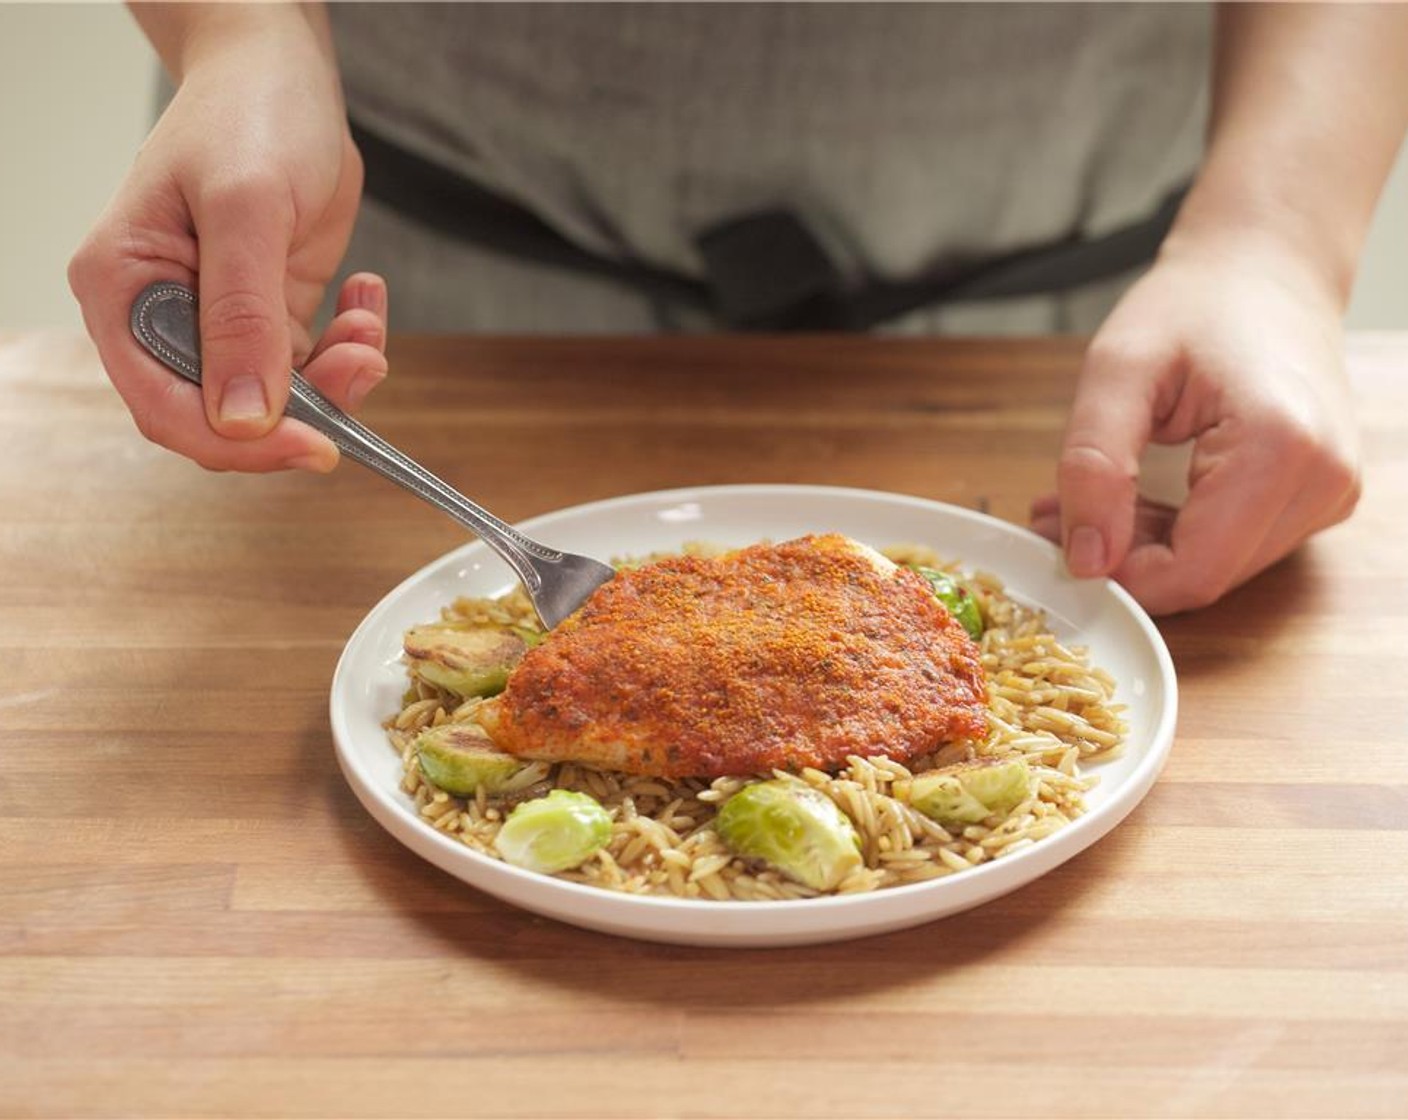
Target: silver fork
{"x":166,"y":322}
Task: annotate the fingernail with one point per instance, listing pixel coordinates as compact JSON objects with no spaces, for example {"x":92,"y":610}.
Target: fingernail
{"x":244,"y":399}
{"x":1085,"y":552}
{"x":370,"y":297}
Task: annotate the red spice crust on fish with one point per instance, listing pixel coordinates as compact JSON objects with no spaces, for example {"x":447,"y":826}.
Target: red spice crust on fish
{"x":775,"y":656}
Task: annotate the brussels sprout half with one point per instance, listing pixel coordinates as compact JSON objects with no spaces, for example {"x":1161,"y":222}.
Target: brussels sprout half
{"x":468,"y":661}
{"x":971,"y":792}
{"x":460,"y":759}
{"x":554,"y":833}
{"x":791,"y":826}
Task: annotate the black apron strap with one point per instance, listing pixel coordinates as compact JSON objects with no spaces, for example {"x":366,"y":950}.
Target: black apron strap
{"x":428,"y":193}
{"x":768,"y":272}
{"x":764,"y":271}
{"x":1056,"y":267}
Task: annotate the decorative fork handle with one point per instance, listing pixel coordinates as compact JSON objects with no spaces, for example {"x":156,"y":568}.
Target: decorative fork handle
{"x":166,"y":323}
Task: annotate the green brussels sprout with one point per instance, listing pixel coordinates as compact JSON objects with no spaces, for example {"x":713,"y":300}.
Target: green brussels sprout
{"x":468,"y":661}
{"x":791,"y":826}
{"x":554,"y":833}
{"x":970,"y":792}
{"x":460,"y":758}
{"x":954,"y":594}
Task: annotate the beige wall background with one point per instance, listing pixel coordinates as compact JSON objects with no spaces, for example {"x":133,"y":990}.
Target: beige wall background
{"x":77,"y":85}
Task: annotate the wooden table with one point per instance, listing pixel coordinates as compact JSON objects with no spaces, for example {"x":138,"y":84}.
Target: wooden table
{"x":197,"y":918}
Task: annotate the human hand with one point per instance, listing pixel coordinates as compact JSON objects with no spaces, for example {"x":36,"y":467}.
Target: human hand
{"x":1236,"y":347}
{"x":247,"y":188}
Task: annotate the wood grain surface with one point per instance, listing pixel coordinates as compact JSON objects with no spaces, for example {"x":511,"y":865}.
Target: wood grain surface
{"x":197,"y":918}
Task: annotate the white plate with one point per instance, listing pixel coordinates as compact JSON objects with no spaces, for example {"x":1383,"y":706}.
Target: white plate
{"x":370,"y":680}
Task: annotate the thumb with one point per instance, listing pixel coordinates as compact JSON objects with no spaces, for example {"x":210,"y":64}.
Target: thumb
{"x":243,"y":234}
{"x":1097,"y":476}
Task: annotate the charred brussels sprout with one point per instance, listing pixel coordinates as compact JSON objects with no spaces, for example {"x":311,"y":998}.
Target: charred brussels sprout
{"x":460,"y":759}
{"x":971,"y":792}
{"x":554,"y":833}
{"x":796,"y":829}
{"x":468,"y":661}
{"x":954,"y":594}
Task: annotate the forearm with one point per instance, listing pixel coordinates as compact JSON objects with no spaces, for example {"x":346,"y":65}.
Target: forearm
{"x":1310,"y":104}
{"x":182,"y":33}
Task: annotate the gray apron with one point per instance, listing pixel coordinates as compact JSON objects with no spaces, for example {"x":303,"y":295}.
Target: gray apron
{"x":908,"y":142}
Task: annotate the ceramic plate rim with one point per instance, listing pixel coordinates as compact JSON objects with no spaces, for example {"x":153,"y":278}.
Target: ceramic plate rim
{"x":732,"y":922}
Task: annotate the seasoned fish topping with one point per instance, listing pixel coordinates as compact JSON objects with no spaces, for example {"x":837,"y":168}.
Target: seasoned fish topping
{"x":772,"y":657}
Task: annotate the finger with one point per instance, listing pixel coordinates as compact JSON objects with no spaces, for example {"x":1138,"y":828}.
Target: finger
{"x":346,"y":373}
{"x":1153,"y":521}
{"x":353,"y":325}
{"x":1044,"y":517}
{"x":243,"y":233}
{"x":170,"y":411}
{"x":360,"y":317}
{"x":366,"y":291}
{"x":1097,"y":475}
{"x":1045,"y":505}
{"x":167,"y":409}
{"x":289,"y":445}
{"x":1237,"y":494}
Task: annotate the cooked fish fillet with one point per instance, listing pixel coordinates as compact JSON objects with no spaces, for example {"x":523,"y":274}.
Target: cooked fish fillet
{"x":774,"y":656}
